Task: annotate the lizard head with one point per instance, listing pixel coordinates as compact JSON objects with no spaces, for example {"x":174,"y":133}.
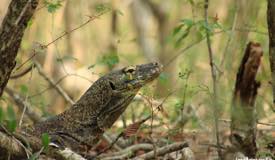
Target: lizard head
{"x":132,"y":78}
{"x":122,"y":86}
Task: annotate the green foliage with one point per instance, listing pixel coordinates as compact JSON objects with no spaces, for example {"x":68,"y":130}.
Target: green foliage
{"x":163,"y":78}
{"x":23,"y":89}
{"x":186,"y":25}
{"x":265,"y":154}
{"x":53,"y":5}
{"x":110,"y":59}
{"x":1,"y":114}
{"x":182,"y":31}
{"x":30,"y":22}
{"x":191,"y":2}
{"x":102,"y":7}
{"x":11,"y":122}
{"x":45,"y":140}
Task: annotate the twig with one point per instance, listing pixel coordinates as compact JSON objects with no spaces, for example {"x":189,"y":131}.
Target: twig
{"x":258,"y":122}
{"x":25,"y":100}
{"x":214,"y":79}
{"x":91,"y":18}
{"x":266,"y":124}
{"x":59,"y":81}
{"x":183,"y":50}
{"x":127,"y":132}
{"x":163,"y":150}
{"x":251,"y":30}
{"x":228,"y":42}
{"x":18,"y":75}
{"x":110,"y":140}
{"x":127,"y":152}
{"x":55,"y":86}
{"x":21,"y":104}
{"x":212,"y":145}
{"x":111,"y":145}
{"x":68,"y":154}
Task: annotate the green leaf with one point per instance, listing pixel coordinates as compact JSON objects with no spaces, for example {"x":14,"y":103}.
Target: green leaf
{"x":45,"y":140}
{"x":181,"y":38}
{"x":177,"y":30}
{"x":24,"y":89}
{"x":163,"y":78}
{"x":1,"y":114}
{"x":101,"y":7}
{"x":191,"y":2}
{"x":30,"y":22}
{"x":53,"y":6}
{"x":11,"y":113}
{"x":110,"y":59}
{"x":11,"y":125}
{"x":187,"y":22}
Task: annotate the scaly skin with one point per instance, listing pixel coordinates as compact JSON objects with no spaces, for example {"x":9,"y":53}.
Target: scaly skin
{"x":98,"y":108}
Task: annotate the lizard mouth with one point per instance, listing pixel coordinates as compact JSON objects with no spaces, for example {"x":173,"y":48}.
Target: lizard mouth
{"x":144,"y":74}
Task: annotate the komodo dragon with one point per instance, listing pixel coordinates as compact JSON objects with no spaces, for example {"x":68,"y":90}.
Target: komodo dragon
{"x":97,"y":110}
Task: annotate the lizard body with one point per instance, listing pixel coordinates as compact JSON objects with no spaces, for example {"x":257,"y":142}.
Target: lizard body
{"x":99,"y":107}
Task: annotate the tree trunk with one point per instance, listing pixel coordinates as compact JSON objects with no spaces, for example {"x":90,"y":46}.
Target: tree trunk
{"x":243,"y":125}
{"x":11,"y":32}
{"x":271,"y":30}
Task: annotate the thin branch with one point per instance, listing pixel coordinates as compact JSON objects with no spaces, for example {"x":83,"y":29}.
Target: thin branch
{"x":55,"y":86}
{"x":21,"y":74}
{"x":228,"y":42}
{"x":127,"y":152}
{"x":21,"y":103}
{"x":110,"y":140}
{"x":91,"y":18}
{"x":25,"y":100}
{"x":183,"y":50}
{"x":59,"y":81}
{"x":68,"y":154}
{"x":163,"y":150}
{"x":214,"y":79}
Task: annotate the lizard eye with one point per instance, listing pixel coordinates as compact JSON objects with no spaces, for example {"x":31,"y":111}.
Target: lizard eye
{"x":130,"y":69}
{"x":112,"y":85}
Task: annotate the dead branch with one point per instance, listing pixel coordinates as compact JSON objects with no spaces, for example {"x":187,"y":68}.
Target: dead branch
{"x":53,"y":84}
{"x":107,"y":138}
{"x":128,"y":152}
{"x":243,"y":117}
{"x":184,"y":154}
{"x":163,"y":150}
{"x":21,"y":103}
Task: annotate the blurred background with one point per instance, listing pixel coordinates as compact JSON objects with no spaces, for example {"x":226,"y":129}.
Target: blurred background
{"x":129,"y":32}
